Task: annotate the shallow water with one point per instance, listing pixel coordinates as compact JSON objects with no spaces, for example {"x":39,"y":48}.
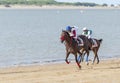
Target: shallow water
{"x":31,"y":36}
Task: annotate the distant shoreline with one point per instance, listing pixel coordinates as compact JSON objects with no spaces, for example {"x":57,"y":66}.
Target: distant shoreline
{"x":53,"y":7}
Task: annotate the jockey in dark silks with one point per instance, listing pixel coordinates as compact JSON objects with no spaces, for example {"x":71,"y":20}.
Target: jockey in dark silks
{"x":88,"y":34}
{"x":73,"y":32}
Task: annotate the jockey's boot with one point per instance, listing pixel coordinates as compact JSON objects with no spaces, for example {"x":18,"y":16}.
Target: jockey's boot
{"x":93,"y":45}
{"x":80,"y":42}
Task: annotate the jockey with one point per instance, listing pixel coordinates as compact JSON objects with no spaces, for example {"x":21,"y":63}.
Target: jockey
{"x":88,"y":34}
{"x":73,"y":31}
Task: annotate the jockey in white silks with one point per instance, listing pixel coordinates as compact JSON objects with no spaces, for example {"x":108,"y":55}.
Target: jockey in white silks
{"x":88,"y":34}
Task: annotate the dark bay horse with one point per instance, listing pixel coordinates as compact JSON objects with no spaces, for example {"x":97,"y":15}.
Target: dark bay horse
{"x":71,"y":47}
{"x":89,"y":45}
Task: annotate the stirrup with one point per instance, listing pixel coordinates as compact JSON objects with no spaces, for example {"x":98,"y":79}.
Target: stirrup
{"x":80,"y":44}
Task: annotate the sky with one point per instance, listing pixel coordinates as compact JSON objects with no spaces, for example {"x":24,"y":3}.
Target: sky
{"x":109,"y":2}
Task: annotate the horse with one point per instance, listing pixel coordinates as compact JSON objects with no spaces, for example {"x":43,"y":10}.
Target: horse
{"x":85,"y":48}
{"x":94,"y":49}
{"x":71,"y":47}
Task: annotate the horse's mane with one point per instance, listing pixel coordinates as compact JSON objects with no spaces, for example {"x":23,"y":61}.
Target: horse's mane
{"x":82,"y":35}
{"x":66,"y":32}
{"x":71,"y":40}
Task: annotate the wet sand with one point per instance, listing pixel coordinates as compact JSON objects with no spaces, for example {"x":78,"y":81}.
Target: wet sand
{"x":107,"y":71}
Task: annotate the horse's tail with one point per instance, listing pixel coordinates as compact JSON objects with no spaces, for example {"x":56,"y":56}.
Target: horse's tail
{"x":100,"y":40}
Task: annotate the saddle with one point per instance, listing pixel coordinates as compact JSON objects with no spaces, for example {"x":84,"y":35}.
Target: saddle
{"x":94,"y":42}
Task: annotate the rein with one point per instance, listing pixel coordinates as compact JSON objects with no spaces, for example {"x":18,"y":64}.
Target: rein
{"x":70,"y":41}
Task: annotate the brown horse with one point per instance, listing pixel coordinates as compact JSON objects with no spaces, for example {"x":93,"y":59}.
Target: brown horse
{"x":71,"y":47}
{"x":85,"y":48}
{"x":89,"y":45}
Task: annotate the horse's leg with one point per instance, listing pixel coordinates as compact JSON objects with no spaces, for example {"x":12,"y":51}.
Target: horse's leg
{"x":95,"y":55}
{"x":83,"y":56}
{"x":67,"y":55}
{"x":94,"y":59}
{"x":87,"y":58}
{"x":79,"y":57}
{"x":77,"y":61}
{"x":95,"y":52}
{"x":98,"y":59}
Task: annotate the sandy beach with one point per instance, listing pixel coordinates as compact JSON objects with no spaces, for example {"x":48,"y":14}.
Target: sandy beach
{"x":108,"y":71}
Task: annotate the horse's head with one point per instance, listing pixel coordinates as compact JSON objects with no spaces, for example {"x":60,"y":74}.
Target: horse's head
{"x":64,"y":36}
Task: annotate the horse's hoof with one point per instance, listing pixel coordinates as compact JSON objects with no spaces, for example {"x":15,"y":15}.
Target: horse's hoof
{"x":68,"y":62}
{"x":79,"y":67}
{"x":97,"y":62}
{"x":87,"y":63}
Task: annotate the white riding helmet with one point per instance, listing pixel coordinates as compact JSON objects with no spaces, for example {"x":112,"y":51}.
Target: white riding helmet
{"x":84,"y":28}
